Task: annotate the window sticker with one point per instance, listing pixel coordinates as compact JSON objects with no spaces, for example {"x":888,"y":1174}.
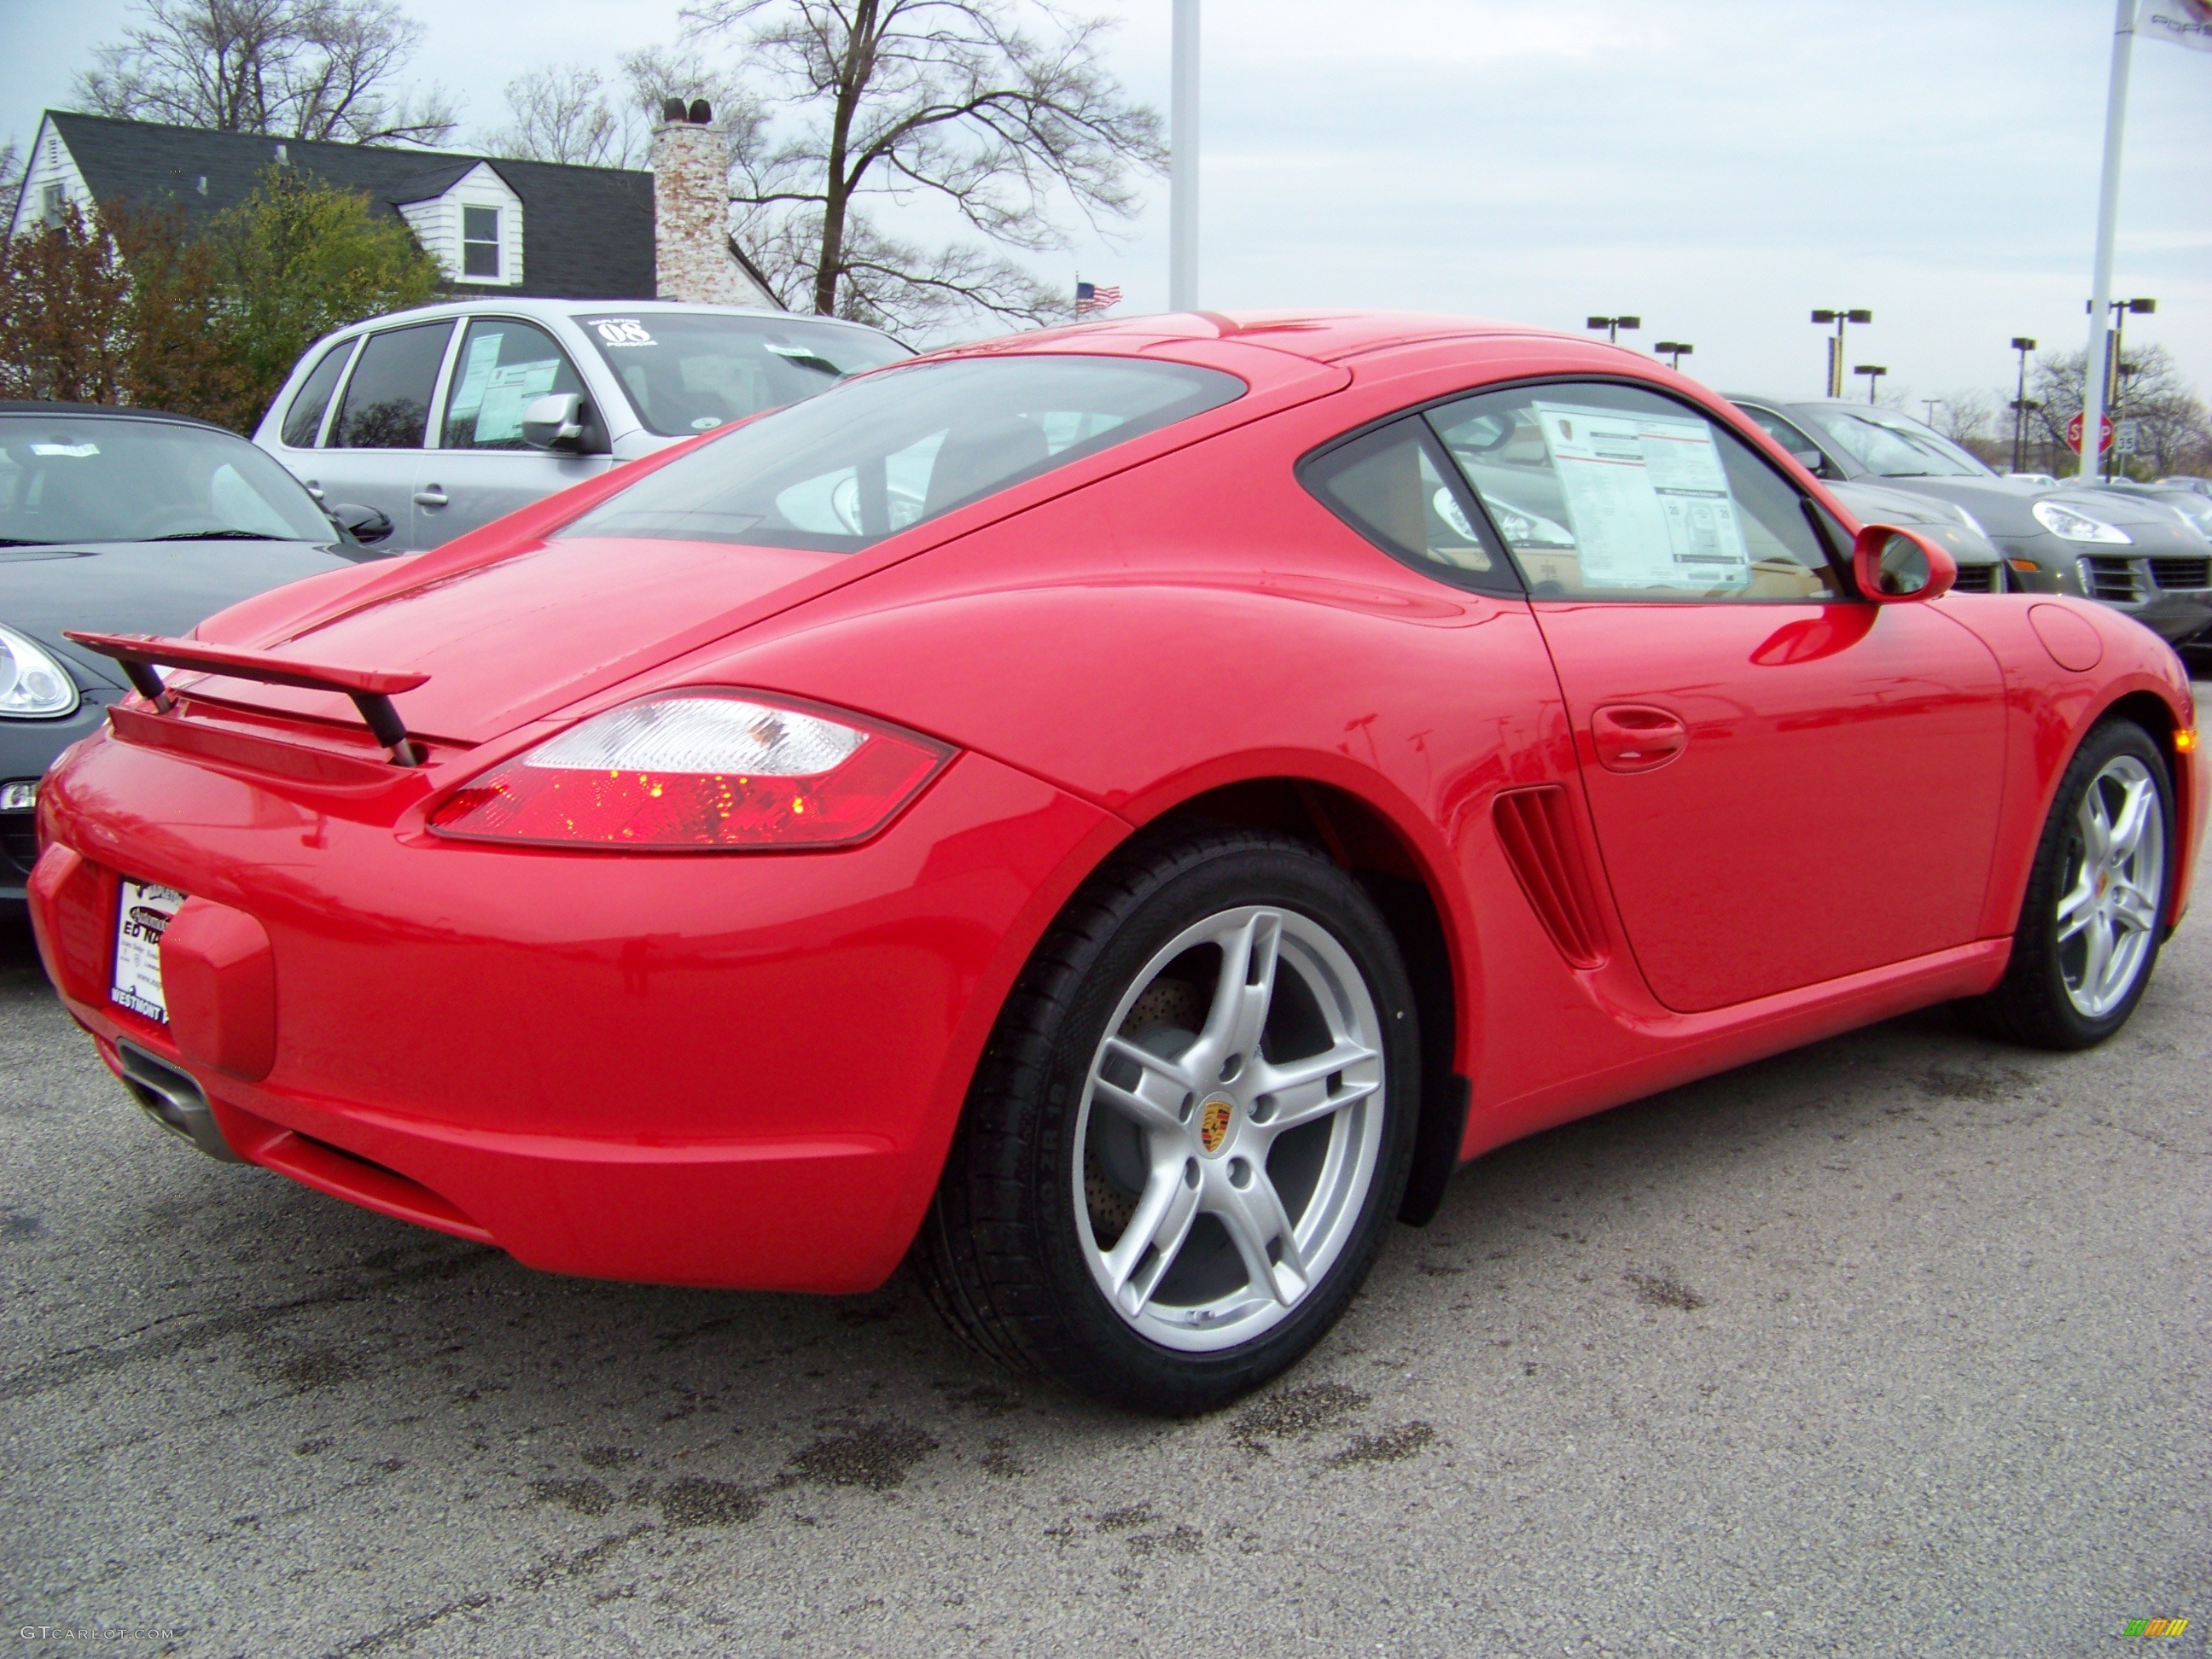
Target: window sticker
{"x":507,"y":393}
{"x":1647,"y":497}
{"x":476,"y":374}
{"x":80,"y":451}
{"x":621,"y":331}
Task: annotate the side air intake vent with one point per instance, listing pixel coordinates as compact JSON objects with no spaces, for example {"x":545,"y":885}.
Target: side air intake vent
{"x":1538,"y":832}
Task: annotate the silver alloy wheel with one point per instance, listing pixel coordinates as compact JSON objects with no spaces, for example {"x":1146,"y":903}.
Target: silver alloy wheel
{"x":1231,"y":1129}
{"x":2116,"y":869}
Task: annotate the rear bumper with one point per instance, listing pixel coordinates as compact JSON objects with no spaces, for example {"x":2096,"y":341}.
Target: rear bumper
{"x":725,"y":1070}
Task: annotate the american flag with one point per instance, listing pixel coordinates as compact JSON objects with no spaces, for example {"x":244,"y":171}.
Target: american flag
{"x":1090,"y":299}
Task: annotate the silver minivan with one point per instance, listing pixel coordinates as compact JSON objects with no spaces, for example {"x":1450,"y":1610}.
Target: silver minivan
{"x":443,"y":417}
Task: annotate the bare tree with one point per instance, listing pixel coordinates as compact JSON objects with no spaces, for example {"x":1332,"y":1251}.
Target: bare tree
{"x":2172,"y":423}
{"x":12,"y":168}
{"x":999,"y":109}
{"x":562,"y":115}
{"x":573,"y":114}
{"x":295,"y":69}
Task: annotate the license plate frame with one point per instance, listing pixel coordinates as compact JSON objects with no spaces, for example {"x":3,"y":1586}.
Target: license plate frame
{"x":143,"y":911}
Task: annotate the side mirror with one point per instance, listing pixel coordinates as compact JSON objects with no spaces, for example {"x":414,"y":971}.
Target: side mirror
{"x":1894,"y":566}
{"x":366,"y":525}
{"x":555,"y":421}
{"x":1811,"y":459}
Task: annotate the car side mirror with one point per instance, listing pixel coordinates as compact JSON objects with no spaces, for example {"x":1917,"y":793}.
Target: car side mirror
{"x":555,"y":421}
{"x":366,"y":525}
{"x":1894,"y":566}
{"x":1811,"y":459}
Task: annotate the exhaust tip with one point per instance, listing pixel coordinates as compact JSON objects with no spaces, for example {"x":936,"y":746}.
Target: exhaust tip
{"x":174,"y":1100}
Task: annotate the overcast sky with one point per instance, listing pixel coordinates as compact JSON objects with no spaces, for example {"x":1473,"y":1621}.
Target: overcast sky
{"x":1719,"y":167}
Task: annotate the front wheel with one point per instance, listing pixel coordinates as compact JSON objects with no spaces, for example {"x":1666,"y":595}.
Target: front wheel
{"x":1190,"y":1130}
{"x":2095,"y":913}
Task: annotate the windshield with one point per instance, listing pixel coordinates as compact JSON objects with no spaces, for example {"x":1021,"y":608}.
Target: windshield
{"x":94,"y":478}
{"x":1895,"y":446}
{"x":689,"y":371}
{"x":870,"y":459}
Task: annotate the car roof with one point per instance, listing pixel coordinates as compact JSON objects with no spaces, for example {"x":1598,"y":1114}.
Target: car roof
{"x":111,"y":411}
{"x":1321,"y":336}
{"x":536,"y":306}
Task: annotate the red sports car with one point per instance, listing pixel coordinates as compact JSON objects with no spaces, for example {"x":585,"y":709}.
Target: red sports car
{"x":1118,"y":814}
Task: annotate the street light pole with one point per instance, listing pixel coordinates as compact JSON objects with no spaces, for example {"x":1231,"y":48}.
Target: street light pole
{"x":1932,"y":406}
{"x":1183,"y":162}
{"x":1836,"y":345}
{"x":1612,"y":325}
{"x":1873,"y":372}
{"x":2108,"y":213}
{"x":2023,"y":345}
{"x":1674,"y":350}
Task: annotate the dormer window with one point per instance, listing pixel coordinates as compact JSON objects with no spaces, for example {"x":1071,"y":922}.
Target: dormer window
{"x":480,"y":241}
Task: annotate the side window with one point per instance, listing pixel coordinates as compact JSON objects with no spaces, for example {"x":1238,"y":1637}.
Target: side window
{"x":1781,"y":431}
{"x":387,"y":400}
{"x":504,"y":367}
{"x":1394,"y":487}
{"x":1604,"y":491}
{"x":304,"y":420}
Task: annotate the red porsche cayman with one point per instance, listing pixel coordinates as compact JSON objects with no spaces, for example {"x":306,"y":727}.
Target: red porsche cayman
{"x":1119,"y":814}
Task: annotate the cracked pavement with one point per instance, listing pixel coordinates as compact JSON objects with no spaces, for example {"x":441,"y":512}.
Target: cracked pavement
{"x":1894,"y":1345}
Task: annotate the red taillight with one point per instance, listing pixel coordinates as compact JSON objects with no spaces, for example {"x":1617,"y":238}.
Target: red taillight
{"x":699,"y":769}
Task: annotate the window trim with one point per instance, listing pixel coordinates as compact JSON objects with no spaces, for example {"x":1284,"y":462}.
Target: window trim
{"x":1838,"y":563}
{"x":497,"y":243}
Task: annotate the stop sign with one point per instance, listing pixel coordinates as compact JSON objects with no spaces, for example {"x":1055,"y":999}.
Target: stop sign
{"x":2073,"y":436}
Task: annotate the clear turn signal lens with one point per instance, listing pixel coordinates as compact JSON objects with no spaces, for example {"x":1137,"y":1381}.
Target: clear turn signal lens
{"x":700,"y":769}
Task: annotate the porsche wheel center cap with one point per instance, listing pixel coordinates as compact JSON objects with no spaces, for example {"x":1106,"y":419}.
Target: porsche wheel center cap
{"x":1214,"y":1118}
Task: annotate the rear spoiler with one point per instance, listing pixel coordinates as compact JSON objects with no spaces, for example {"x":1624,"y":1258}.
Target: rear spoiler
{"x":372,"y":689}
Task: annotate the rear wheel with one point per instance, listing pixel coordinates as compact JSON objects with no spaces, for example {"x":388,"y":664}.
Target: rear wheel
{"x":1190,"y":1129}
{"x":2094,"y":916}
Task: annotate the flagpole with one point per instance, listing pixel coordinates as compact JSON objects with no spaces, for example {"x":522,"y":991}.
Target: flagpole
{"x":1183,"y":162}
{"x":2108,"y":213}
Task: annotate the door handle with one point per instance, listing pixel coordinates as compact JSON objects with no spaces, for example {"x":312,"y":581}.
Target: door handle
{"x":430,"y":496}
{"x":1636,"y":737}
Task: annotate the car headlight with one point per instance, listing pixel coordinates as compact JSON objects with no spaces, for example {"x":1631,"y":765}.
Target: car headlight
{"x":690,"y":771}
{"x":32,"y":684}
{"x":2067,"y":524}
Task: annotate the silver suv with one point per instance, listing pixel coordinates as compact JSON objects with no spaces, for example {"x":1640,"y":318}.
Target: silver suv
{"x":447,"y":416}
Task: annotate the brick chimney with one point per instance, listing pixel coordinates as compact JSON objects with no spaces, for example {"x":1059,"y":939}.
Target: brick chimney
{"x":691,"y":254}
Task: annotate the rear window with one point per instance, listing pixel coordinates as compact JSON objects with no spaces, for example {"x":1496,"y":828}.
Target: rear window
{"x":687,"y":372}
{"x":869,"y":459}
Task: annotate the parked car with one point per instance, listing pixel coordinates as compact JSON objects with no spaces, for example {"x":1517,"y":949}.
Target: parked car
{"x":123,"y":518}
{"x":2191,"y":505}
{"x":2194,"y":485}
{"x":448,"y":416}
{"x":2138,"y":555}
{"x":1981,"y":568}
{"x":1118,"y":814}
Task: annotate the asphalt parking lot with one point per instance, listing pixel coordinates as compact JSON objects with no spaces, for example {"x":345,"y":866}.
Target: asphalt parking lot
{"x":1897,"y":1345}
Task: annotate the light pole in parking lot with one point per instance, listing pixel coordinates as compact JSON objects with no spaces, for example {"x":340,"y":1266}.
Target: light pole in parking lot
{"x":1674,"y":351}
{"x":1873,"y":372}
{"x":1182,"y":160}
{"x":1612,"y":325}
{"x":2023,"y":345}
{"x":1839,"y":317}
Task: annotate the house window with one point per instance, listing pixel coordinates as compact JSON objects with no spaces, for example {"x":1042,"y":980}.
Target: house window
{"x":480,"y":241}
{"x":53,"y":200}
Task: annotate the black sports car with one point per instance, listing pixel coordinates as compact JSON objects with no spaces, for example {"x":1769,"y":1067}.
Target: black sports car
{"x":126,"y":520}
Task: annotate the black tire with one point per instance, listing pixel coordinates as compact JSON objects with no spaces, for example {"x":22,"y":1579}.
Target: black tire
{"x":1002,"y":1251}
{"x":2031,"y":1004}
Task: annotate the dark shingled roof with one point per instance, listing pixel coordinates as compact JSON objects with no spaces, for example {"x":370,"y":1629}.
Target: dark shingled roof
{"x":587,"y":232}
